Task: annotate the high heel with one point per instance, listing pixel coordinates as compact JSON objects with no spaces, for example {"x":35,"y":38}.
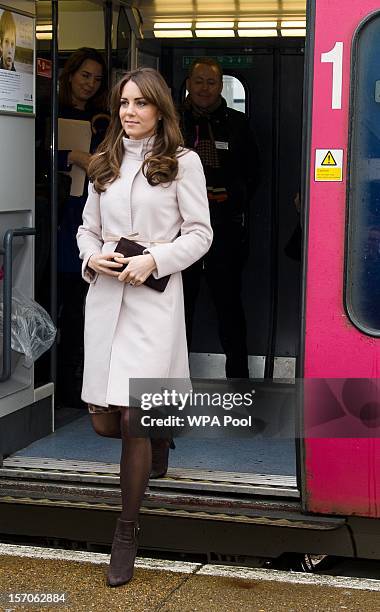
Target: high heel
{"x":123,"y":554}
{"x":160,"y":456}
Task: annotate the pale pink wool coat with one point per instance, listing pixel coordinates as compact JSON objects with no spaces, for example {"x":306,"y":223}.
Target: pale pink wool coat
{"x":136,"y":332}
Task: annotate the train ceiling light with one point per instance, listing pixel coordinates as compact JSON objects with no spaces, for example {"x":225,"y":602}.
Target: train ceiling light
{"x":215,"y":33}
{"x":293,"y":24}
{"x":293,"y":28}
{"x":169,"y":29}
{"x":173,"y":34}
{"x":214,"y":25}
{"x":229,"y":29}
{"x":44,"y":31}
{"x":257,"y":33}
{"x":293,"y":32}
{"x":169,"y":25}
{"x":258,"y":24}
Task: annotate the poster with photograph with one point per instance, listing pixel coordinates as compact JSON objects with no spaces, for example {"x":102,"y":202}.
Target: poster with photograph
{"x":16,"y":62}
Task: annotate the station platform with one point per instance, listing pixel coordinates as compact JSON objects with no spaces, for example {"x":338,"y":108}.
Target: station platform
{"x":163,"y":586}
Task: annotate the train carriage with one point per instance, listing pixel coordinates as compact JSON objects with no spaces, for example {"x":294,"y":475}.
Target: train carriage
{"x":305,"y":74}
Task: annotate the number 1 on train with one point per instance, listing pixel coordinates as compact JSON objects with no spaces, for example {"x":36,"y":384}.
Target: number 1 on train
{"x":335,"y":56}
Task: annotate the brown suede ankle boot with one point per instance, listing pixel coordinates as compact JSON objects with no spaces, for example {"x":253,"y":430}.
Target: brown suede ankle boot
{"x":160,"y":456}
{"x":123,"y":554}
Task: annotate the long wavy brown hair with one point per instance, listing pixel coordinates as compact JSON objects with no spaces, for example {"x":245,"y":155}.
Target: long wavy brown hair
{"x":161,"y":164}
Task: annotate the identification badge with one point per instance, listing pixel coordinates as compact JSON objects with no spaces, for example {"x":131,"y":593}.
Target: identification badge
{"x":221,"y":145}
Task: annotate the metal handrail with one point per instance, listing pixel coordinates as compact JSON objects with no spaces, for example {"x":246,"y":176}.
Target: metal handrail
{"x":7,"y":296}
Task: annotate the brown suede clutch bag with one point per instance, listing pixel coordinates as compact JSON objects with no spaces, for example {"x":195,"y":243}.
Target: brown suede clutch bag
{"x":129,"y":248}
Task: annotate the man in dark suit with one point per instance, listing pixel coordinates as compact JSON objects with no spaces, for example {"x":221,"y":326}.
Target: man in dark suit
{"x":228,"y":150}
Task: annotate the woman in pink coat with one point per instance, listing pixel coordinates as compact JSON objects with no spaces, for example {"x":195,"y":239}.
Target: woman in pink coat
{"x":147,"y":187}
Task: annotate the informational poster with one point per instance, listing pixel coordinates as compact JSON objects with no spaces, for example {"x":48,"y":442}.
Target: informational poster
{"x":16,"y":62}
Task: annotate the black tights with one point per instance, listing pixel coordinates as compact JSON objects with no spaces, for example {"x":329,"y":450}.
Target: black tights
{"x":135,"y":460}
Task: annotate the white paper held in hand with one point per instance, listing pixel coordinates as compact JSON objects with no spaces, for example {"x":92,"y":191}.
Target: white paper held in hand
{"x":75,"y":135}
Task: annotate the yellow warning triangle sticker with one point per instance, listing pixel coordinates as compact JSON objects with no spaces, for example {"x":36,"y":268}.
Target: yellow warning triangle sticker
{"x":328,"y":160}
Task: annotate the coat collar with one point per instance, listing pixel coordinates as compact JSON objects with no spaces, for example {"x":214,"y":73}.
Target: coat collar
{"x":137,"y":149}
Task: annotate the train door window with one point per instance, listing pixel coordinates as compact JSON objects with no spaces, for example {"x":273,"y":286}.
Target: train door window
{"x":362,"y":282}
{"x":234,"y":93}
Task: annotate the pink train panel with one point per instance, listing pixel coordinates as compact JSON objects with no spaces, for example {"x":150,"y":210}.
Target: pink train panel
{"x":340,"y":471}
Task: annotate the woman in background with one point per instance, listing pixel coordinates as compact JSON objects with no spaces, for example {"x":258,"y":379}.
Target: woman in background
{"x":82,"y":97}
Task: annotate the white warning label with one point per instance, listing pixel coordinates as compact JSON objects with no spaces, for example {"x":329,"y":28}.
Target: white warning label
{"x":328,"y":165}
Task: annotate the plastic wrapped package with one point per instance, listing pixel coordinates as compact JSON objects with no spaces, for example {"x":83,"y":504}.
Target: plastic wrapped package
{"x":32,"y":331}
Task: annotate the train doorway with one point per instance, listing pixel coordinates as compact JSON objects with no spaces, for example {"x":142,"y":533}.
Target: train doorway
{"x":271,"y":85}
{"x":264,"y":76}
{"x":268,"y":76}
